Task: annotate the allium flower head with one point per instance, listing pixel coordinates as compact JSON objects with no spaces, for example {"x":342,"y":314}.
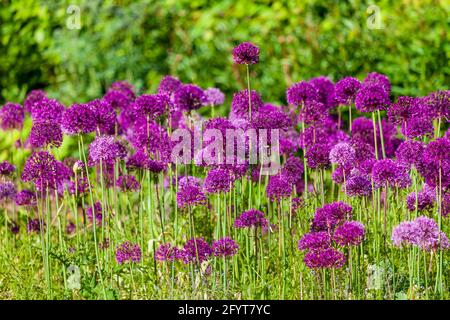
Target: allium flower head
{"x":346,"y":90}
{"x":47,"y":110}
{"x":371,"y":97}
{"x":11,"y":116}
{"x":45,"y":133}
{"x":315,"y":241}
{"x":246,"y":53}
{"x":218,"y":180}
{"x":7,"y":190}
{"x":104,"y":115}
{"x":301,"y":92}
{"x":293,"y":170}
{"x":166,"y":252}
{"x":151,"y":106}
{"x":169,"y":85}
{"x":33,"y":225}
{"x":79,"y":118}
{"x":190,"y":195}
{"x":358,"y":186}
{"x":214,"y":97}
{"x":438,"y":151}
{"x":128,"y":183}
{"x":331,"y":215}
{"x":379,"y":79}
{"x":95,"y":213}
{"x":251,"y":218}
{"x":105,"y":149}
{"x":324,"y":259}
{"x":445,"y":205}
{"x":125,"y":87}
{"x":318,"y":156}
{"x":313,"y":112}
{"x":325,"y":90}
{"x":343,"y":154}
{"x":278,"y":188}
{"x":418,"y":127}
{"x":350,"y":233}
{"x":404,"y":109}
{"x":240,"y":106}
{"x":6,"y":168}
{"x":26,"y":198}
{"x":32,"y":97}
{"x":410,"y":152}
{"x":189,"y":97}
{"x":225,"y":247}
{"x":388,"y":172}
{"x":196,"y":250}
{"x":439,"y":102}
{"x":128,"y":252}
{"x":425,"y":200}
{"x":117,"y":99}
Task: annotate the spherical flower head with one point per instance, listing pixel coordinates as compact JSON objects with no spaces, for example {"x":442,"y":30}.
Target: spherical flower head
{"x":240,"y":103}
{"x":105,"y":116}
{"x":196,"y":250}
{"x":379,"y":79}
{"x":350,"y":233}
{"x":343,"y":154}
{"x":278,"y":188}
{"x":6,"y":168}
{"x":128,"y":183}
{"x":225,"y":247}
{"x":301,"y":92}
{"x":426,"y":234}
{"x":251,"y":218}
{"x":318,"y":156}
{"x":169,"y":85}
{"x":214,"y":97}
{"x":386,"y":172}
{"x":331,"y":215}
{"x":166,"y":252}
{"x":32,"y":97}
{"x":218,"y":180}
{"x":78,"y":118}
{"x":128,"y":252}
{"x":125,"y":87}
{"x":190,"y":195}
{"x":105,"y":149}
{"x":7,"y":190}
{"x":189,"y":181}
{"x":95,"y":213}
{"x":117,"y":99}
{"x":315,"y":241}
{"x":246,"y":53}
{"x":404,"y":109}
{"x":371,"y":97}
{"x":438,"y":151}
{"x":424,"y":199}
{"x":151,"y":106}
{"x":325,"y":90}
{"x":33,"y":226}
{"x":11,"y":116}
{"x":313,"y":112}
{"x":26,"y":198}
{"x":324,"y":259}
{"x":45,"y":133}
{"x":346,"y":90}
{"x":189,"y":97}
{"x":410,"y":152}
{"x":293,"y":170}
{"x":418,"y":127}
{"x":270,"y":117}
{"x":47,"y":110}
{"x":358,"y":186}
{"x":439,"y":102}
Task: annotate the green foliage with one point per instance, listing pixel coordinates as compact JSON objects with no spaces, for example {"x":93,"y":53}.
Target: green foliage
{"x":141,"y":41}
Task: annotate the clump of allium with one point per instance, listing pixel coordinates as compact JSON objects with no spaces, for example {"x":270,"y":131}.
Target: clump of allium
{"x":189,"y":97}
{"x":387,"y":172}
{"x":95,"y":213}
{"x":26,"y":198}
{"x":128,"y":252}
{"x":301,"y":92}
{"x":278,"y":188}
{"x":105,"y":149}
{"x":7,"y":190}
{"x":318,"y":156}
{"x":313,"y":112}
{"x":240,"y":103}
{"x":169,"y":85}
{"x":246,"y":53}
{"x":293,"y":170}
{"x":371,"y":97}
{"x":11,"y":116}
{"x":151,"y":106}
{"x":79,"y":118}
{"x":324,"y":259}
{"x":47,"y":110}
{"x":196,"y":250}
{"x":225,"y":247}
{"x":424,"y":199}
{"x":379,"y":79}
{"x":190,"y":195}
{"x":6,"y":168}
{"x":343,"y":154}
{"x":315,"y":241}
{"x":32,"y":97}
{"x":331,"y":215}
{"x":358,"y":186}
{"x":325,"y":90}
{"x":45,"y":133}
{"x":214,"y":97}
{"x":410,"y":152}
{"x":218,"y":180}
{"x":128,"y":183}
{"x":350,"y":233}
{"x":33,"y":225}
{"x":166,"y":252}
{"x":251,"y":218}
{"x":346,"y":90}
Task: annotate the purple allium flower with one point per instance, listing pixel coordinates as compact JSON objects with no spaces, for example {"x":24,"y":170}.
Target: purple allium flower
{"x":128,"y":183}
{"x":404,"y":109}
{"x":151,"y":106}
{"x":293,"y":170}
{"x":297,"y":203}
{"x":32,"y":97}
{"x":6,"y":168}
{"x":410,"y":152}
{"x":346,"y":90}
{"x":45,"y":133}
{"x":125,"y":87}
{"x":11,"y":116}
{"x":214,"y":96}
{"x":445,"y":205}
{"x":225,"y":247}
{"x":437,"y":151}
{"x":105,"y":149}
{"x":417,"y":127}
{"x":169,"y":85}
{"x":388,"y":172}
{"x":246,"y":53}
{"x":301,"y":92}
{"x":358,"y":186}
{"x":117,"y":99}
{"x":425,"y":200}
{"x":7,"y":190}
{"x":327,"y":258}
{"x":313,"y":112}
{"x":33,"y":225}
{"x":278,"y":188}
{"x":331,"y":215}
{"x":343,"y":154}
{"x":439,"y":102}
{"x":189,"y":97}
{"x":270,"y":117}
{"x":190,"y":195}
{"x":325,"y":90}
{"x":350,"y":233}
{"x":318,"y":156}
{"x":239,"y":104}
{"x":251,"y":218}
{"x":71,"y":228}
{"x":79,"y":118}
{"x":47,"y":110}
{"x":26,"y":198}
{"x":379,"y":79}
{"x":166,"y":252}
{"x":79,"y":187}
{"x":371,"y":97}
{"x":340,"y":175}
{"x":128,"y":251}
{"x":104,"y":115}
{"x":95,"y":212}
{"x":196,"y":250}
{"x":315,"y":241}
{"x":218,"y":180}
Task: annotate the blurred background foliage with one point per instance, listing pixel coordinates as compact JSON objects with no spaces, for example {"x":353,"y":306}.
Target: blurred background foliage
{"x":141,"y":41}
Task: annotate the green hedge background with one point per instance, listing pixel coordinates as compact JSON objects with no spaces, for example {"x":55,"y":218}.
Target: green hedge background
{"x":141,"y":41}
